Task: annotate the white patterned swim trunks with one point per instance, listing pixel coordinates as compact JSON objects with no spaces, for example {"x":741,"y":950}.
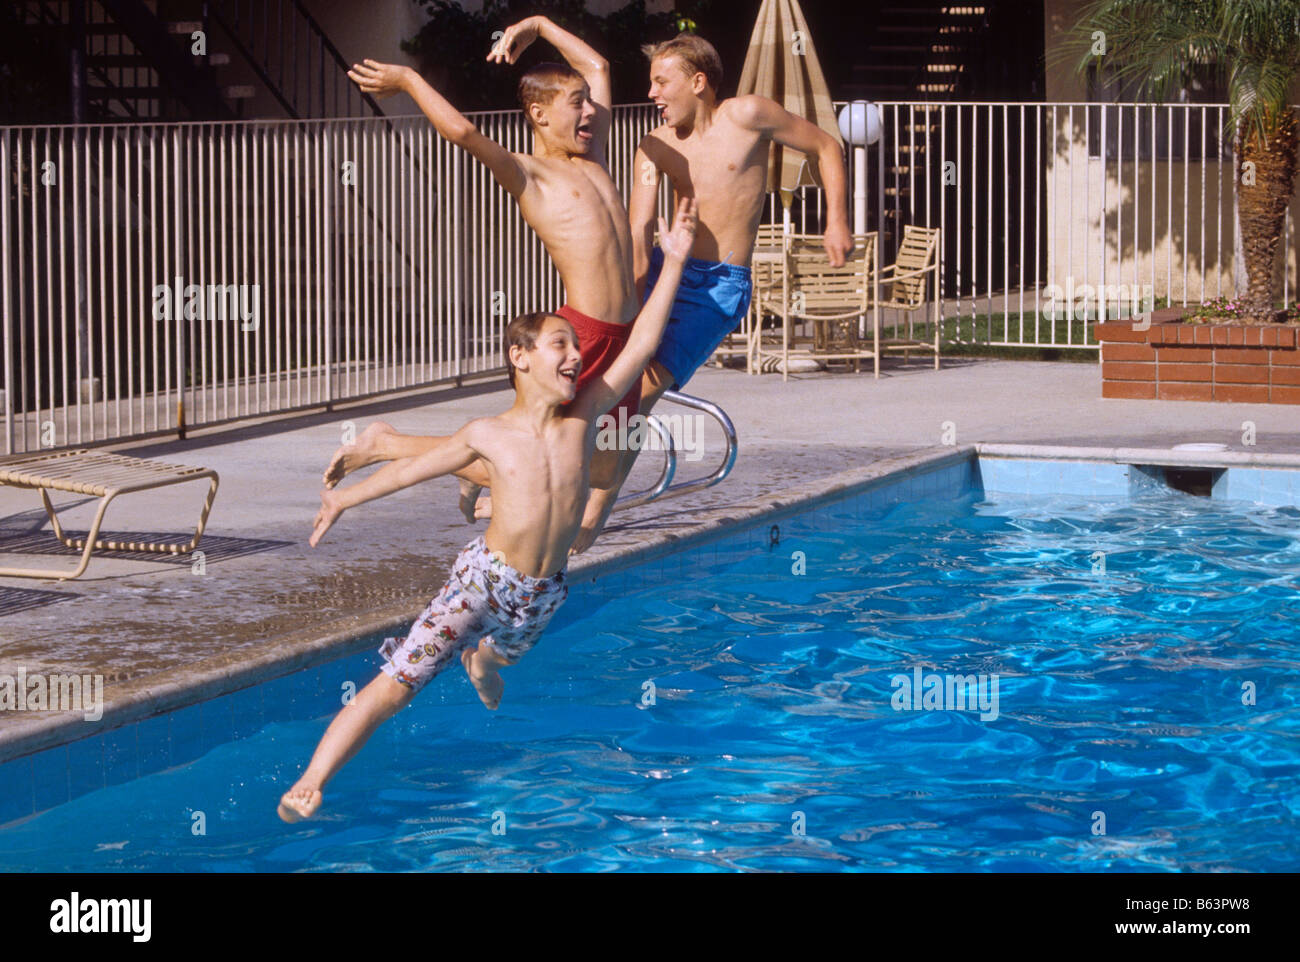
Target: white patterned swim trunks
{"x":484,"y":598}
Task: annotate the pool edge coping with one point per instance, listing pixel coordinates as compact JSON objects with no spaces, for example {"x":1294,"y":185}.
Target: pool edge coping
{"x":1154,"y":456}
{"x":308,"y":648}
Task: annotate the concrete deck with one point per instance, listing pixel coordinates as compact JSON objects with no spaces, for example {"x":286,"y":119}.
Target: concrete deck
{"x":150,"y":623}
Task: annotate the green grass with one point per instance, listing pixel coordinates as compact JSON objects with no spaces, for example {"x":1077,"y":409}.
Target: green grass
{"x":970,"y":337}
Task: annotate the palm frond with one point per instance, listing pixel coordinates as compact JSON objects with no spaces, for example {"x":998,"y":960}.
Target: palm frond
{"x":1159,"y":43}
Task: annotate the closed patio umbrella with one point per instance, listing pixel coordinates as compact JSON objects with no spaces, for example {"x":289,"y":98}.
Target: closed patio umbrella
{"x":782,"y":65}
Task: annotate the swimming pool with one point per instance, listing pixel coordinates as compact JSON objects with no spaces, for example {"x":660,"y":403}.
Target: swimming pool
{"x":740,"y":706}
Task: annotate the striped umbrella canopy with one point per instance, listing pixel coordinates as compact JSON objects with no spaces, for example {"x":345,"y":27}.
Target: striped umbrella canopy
{"x":783,"y":66}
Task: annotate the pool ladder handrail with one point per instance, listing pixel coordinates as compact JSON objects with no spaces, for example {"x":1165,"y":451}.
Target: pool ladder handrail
{"x":664,"y":488}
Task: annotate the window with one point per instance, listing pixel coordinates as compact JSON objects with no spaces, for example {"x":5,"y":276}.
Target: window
{"x":1134,"y":128}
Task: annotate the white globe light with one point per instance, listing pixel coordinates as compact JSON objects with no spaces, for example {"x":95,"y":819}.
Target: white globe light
{"x":860,"y":123}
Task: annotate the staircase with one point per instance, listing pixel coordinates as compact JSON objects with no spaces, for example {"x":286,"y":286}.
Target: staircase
{"x":921,"y":54}
{"x":920,"y":51}
{"x":176,"y":60}
{"x":930,"y":55}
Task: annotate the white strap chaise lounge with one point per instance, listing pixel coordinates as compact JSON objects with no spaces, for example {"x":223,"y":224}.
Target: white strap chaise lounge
{"x":104,"y":475}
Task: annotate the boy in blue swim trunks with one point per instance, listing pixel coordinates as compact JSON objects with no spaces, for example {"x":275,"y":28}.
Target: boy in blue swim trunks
{"x":716,"y":152}
{"x":504,"y":586}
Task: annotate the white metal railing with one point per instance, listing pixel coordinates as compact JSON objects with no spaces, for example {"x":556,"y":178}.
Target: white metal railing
{"x":157,"y":276}
{"x":1054,"y":215}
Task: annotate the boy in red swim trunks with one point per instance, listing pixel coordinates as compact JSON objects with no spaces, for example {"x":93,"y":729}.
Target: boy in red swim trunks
{"x":565,"y":194}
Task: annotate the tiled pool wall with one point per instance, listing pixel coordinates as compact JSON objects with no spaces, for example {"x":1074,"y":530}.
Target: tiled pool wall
{"x":53,"y":776}
{"x":1271,"y":487}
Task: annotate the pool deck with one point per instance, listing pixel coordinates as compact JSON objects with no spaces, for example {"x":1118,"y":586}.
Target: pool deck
{"x":162,"y":634}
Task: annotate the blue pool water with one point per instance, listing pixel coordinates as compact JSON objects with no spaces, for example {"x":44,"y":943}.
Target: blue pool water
{"x":1120,"y":696}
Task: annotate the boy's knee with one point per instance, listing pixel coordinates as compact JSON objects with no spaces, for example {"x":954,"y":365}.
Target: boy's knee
{"x":605,"y":467}
{"x":385,"y":693}
{"x":656,"y":380}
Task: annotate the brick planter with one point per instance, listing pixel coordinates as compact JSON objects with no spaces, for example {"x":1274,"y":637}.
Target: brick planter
{"x":1173,"y":361}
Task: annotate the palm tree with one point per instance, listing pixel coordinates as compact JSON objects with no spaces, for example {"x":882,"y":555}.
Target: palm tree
{"x":1256,"y":44}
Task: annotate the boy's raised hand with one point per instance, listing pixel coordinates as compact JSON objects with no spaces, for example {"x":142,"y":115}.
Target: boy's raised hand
{"x":515,"y":40}
{"x":677,"y":243}
{"x":379,"y":79}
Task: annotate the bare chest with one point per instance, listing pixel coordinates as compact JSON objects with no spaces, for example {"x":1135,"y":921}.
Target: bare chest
{"x":575,"y":198}
{"x":547,"y":466}
{"x":718,"y":165}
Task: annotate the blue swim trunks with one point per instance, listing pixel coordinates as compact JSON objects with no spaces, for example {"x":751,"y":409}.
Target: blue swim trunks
{"x":712,"y":300}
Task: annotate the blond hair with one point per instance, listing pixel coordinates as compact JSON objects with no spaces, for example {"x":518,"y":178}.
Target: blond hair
{"x":695,"y":53}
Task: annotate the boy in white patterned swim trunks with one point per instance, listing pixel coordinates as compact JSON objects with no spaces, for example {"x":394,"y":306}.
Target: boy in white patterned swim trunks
{"x":506,"y":585}
{"x":484,"y":598}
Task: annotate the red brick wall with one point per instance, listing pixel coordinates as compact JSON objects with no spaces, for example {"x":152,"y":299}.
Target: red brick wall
{"x":1174,"y":361}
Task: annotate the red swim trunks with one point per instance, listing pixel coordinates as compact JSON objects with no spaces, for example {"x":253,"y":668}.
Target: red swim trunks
{"x":599,"y":343}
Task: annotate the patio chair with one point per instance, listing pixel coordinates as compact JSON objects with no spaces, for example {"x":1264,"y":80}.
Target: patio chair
{"x":833,"y":300}
{"x":906,"y":279}
{"x":105,"y":476}
{"x":767,"y":270}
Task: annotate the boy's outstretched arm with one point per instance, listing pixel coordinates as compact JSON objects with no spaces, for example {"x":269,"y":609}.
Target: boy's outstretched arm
{"x":384,"y":79}
{"x":576,"y":53}
{"x":456,"y":452}
{"x":789,"y":130}
{"x":648,"y":329}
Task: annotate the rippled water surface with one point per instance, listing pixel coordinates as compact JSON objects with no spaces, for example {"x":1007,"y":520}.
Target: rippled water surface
{"x":1126,"y":636}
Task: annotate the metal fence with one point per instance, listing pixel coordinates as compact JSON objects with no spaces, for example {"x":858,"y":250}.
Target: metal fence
{"x":1055,"y":215}
{"x":161,"y":276}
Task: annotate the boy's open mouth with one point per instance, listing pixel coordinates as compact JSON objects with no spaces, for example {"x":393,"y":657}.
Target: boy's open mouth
{"x":570,"y":374}
{"x":584,"y":131}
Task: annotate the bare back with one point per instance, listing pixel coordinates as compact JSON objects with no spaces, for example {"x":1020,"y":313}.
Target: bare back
{"x":725,"y":170}
{"x":577,"y":211}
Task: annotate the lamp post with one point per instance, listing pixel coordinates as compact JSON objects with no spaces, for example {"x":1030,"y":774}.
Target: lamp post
{"x":860,"y":126}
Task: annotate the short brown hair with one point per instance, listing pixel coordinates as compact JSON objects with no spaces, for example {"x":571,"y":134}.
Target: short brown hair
{"x":695,"y":52}
{"x":540,"y":84}
{"x":523,"y":331}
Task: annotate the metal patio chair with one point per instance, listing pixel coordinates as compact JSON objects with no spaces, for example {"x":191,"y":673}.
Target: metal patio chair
{"x":834,"y":301}
{"x":907,"y":280}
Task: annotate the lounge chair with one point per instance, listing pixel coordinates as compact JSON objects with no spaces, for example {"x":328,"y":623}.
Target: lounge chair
{"x":104,"y":475}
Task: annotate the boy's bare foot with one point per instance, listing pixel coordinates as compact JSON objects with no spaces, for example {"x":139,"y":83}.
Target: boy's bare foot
{"x":469,"y":499}
{"x":366,"y":449}
{"x":485,"y":678}
{"x":299,"y":802}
